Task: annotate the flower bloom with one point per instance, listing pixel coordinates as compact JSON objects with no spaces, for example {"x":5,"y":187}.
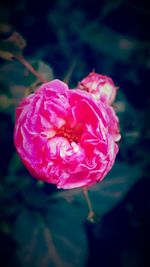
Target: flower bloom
{"x":63,"y":137}
{"x":100,"y":87}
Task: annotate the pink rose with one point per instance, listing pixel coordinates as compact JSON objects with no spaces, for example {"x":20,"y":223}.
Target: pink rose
{"x":63,"y":137}
{"x":101,"y":87}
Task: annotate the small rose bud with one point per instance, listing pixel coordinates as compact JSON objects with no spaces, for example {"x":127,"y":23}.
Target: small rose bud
{"x":100,"y":87}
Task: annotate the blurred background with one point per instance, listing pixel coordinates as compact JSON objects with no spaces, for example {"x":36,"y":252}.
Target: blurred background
{"x":43,"y":226}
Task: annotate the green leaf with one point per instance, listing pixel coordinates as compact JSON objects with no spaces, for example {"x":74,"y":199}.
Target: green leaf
{"x":43,"y":68}
{"x":12,"y":47}
{"x":120,"y":48}
{"x":55,"y":240}
{"x":20,"y":79}
{"x":14,"y":164}
{"x":108,"y":193}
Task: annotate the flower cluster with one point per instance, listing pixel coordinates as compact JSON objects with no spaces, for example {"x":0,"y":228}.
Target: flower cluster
{"x":65,"y":137}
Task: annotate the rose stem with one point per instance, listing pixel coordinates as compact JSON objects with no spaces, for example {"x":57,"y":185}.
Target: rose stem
{"x":30,"y":68}
{"x":88,"y":201}
{"x":70,"y":71}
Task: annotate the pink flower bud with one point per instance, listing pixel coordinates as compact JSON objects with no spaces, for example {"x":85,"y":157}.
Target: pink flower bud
{"x":63,"y":137}
{"x":100,"y":87}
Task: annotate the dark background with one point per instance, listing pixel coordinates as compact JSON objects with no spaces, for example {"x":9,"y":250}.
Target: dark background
{"x":43,"y":226}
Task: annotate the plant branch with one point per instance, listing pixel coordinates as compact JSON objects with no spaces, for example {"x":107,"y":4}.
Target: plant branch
{"x":30,"y":68}
{"x":70,"y":71}
{"x":91,"y":213}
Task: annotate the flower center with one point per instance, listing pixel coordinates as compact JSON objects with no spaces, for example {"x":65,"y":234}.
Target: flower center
{"x":71,"y":134}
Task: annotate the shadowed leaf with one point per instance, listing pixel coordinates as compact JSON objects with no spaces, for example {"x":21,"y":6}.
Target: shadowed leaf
{"x":12,"y":47}
{"x":108,"y":193}
{"x":55,"y":240}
